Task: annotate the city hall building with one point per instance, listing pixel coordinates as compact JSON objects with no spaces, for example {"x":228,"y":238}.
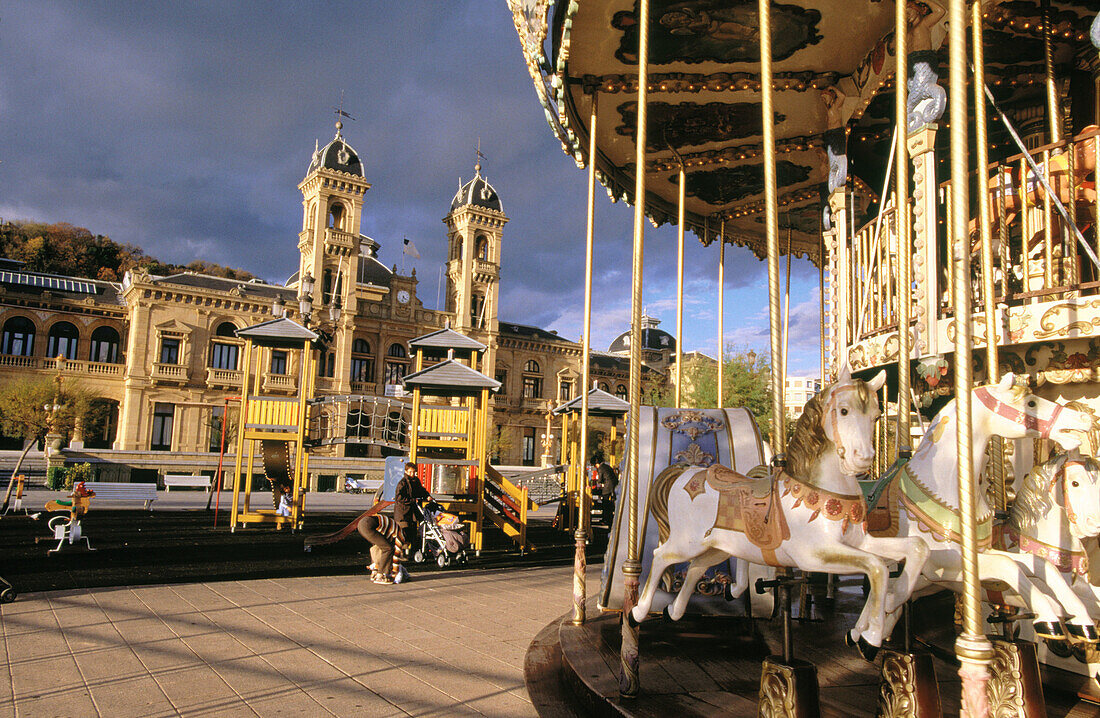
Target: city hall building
{"x":161,"y":355}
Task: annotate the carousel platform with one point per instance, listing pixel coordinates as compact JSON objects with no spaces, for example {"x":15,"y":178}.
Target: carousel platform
{"x":710,"y":666}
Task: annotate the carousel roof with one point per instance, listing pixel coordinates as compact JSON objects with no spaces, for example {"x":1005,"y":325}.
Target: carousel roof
{"x":704,"y":100}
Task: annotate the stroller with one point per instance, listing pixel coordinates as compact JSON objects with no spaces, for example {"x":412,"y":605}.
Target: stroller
{"x":442,"y":536}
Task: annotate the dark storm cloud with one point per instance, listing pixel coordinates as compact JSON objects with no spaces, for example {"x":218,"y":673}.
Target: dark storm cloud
{"x":184,"y":129}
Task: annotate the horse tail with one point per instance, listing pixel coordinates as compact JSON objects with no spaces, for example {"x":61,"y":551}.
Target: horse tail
{"x":336,"y":536}
{"x":659,"y":493}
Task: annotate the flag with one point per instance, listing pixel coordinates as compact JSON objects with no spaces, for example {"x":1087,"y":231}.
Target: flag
{"x":410,"y":249}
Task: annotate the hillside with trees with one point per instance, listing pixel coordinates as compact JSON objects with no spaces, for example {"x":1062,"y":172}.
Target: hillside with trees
{"x":63,"y":248}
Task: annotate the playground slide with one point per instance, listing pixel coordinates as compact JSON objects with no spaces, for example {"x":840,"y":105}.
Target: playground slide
{"x":277,"y":456}
{"x":667,"y":436}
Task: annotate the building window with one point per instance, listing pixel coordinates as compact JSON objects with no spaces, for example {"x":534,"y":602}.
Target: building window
{"x":18,"y":338}
{"x":326,"y":365}
{"x":565,"y":390}
{"x":529,"y":447}
{"x":105,"y":343}
{"x":362,"y":364}
{"x":397,"y":351}
{"x":162,"y":427}
{"x":502,"y":377}
{"x":482,"y":247}
{"x":62,"y":340}
{"x":222,"y":354}
{"x":278,"y":361}
{"x":604,"y":386}
{"x":217,"y":418}
{"x":620,"y":391}
{"x":532,"y":387}
{"x":169,"y":350}
{"x":531,"y":366}
{"x":395,"y":372}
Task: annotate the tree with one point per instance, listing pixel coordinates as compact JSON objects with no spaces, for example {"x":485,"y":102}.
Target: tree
{"x":23,"y":412}
{"x":746,"y":381}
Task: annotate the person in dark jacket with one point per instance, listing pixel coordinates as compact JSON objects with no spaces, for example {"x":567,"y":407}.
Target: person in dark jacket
{"x":608,"y":479}
{"x":409,"y":491}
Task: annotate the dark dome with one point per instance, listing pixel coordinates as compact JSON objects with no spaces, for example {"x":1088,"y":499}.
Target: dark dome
{"x":337,"y":155}
{"x":479,"y":193}
{"x":652,"y":338}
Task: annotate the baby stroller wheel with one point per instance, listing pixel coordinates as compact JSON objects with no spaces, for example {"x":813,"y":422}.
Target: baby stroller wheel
{"x":7,"y":595}
{"x":418,"y":557}
{"x":442,"y":560}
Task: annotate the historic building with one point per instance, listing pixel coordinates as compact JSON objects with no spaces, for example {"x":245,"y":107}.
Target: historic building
{"x":162,"y":352}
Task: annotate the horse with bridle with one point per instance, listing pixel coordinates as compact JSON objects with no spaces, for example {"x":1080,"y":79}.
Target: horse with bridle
{"x":927,"y":490}
{"x":808,"y":515}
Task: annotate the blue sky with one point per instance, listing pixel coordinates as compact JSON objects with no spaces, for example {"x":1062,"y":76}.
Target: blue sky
{"x":184,"y":129}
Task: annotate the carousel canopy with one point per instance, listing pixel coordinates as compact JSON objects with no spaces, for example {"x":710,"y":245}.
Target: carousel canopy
{"x":704,"y":100}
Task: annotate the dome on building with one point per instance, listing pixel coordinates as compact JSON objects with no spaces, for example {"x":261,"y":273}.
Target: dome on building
{"x":336,"y":155}
{"x":477,"y":192}
{"x":653,"y":339}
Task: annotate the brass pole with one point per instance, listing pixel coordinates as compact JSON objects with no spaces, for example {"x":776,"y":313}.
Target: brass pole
{"x":580,"y":537}
{"x":680,"y":292}
{"x":632,"y":567}
{"x":985,"y":223}
{"x":1054,"y":109}
{"x":721,"y":312}
{"x":972,"y":647}
{"x":821,"y":297}
{"x":903,"y":224}
{"x":771,"y":216}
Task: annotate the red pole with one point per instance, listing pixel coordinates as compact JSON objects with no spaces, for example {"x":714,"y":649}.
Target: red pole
{"x":218,"y":497}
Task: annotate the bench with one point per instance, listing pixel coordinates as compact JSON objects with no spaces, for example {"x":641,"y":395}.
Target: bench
{"x":116,"y":491}
{"x":170,"y":480}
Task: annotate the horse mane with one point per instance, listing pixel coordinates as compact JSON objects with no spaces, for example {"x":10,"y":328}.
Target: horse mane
{"x":1033,"y":501}
{"x":658,"y":501}
{"x":808,"y":440}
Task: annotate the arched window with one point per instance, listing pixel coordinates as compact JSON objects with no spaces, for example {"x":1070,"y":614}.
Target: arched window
{"x":395,"y":367}
{"x":18,"y":337}
{"x":222,"y":354}
{"x":105,"y":343}
{"x":482,"y":247}
{"x":531,"y":366}
{"x":397,"y":351}
{"x":362,"y":364}
{"x":336,"y":216}
{"x":62,"y":340}
{"x":603,"y":386}
{"x":532,"y":385}
{"x":620,"y":391}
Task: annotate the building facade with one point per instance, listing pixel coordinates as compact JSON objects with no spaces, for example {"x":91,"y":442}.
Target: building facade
{"x":162,"y":355}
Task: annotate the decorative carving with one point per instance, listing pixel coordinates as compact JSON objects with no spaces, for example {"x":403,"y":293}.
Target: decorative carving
{"x":730,"y":184}
{"x":898,"y":692}
{"x":1006,"y":689}
{"x":691,"y":123}
{"x":777,"y":691}
{"x":714,"y":31}
{"x":927,"y":100}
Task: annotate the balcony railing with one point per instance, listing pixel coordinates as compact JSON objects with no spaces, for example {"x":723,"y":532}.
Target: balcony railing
{"x":364,"y":387}
{"x":486,"y":268}
{"x":279,"y":382}
{"x":336,"y":238}
{"x":223,"y":377}
{"x":170,"y":373}
{"x":66,"y":366}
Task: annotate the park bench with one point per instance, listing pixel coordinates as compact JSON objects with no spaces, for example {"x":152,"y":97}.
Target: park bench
{"x":116,"y":491}
{"x":170,"y":480}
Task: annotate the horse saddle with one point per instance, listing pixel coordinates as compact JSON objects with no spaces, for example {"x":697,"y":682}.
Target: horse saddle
{"x":749,"y":505}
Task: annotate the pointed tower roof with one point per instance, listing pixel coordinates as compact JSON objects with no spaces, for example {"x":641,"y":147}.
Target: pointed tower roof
{"x":337,"y":155}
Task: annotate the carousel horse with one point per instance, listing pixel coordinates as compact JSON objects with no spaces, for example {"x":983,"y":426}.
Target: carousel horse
{"x":1056,"y":509}
{"x":810,"y":515}
{"x":927,"y":490}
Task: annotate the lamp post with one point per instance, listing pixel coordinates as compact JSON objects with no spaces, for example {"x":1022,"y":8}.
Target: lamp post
{"x":305,"y":298}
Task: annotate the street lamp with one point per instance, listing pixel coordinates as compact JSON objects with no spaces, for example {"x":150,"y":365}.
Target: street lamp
{"x":335,"y":309}
{"x":278,"y":307}
{"x":305,"y":298}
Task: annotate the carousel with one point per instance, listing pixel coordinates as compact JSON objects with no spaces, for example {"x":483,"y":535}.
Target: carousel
{"x":936,"y":160}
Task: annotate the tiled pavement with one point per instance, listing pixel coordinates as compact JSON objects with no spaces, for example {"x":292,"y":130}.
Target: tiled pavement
{"x":445,"y":644}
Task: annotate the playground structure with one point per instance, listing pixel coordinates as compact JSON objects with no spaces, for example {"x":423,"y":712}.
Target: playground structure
{"x":275,"y":422}
{"x":448,"y":438}
{"x":67,"y":529}
{"x":600,"y":404}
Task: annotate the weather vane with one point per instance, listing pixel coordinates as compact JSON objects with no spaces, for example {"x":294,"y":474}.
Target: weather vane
{"x":339,"y":111}
{"x":478,"y":157}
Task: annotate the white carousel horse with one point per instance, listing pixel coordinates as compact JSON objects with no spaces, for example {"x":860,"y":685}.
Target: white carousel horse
{"x":928,"y":490}
{"x":809,"y":516}
{"x":1057,"y":507}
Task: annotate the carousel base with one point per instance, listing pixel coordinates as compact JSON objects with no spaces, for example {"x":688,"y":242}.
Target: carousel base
{"x":711,"y":666}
